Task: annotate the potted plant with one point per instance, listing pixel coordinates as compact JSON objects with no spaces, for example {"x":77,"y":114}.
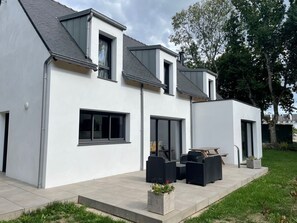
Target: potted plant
{"x":253,"y":162}
{"x":161,"y":198}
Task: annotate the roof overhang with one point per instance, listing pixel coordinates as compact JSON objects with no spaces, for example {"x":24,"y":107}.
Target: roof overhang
{"x":74,"y":61}
{"x":154,"y":47}
{"x":95,"y":14}
{"x":142,"y":81}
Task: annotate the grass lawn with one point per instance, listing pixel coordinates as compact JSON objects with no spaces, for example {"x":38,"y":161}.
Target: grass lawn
{"x":62,"y":213}
{"x":272,"y":198}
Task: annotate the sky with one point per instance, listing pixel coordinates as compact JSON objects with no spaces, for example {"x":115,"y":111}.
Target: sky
{"x":148,"y":21}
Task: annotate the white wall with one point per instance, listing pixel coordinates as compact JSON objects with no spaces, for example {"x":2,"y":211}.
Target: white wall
{"x":161,"y":58}
{"x":73,"y":89}
{"x":206,"y":78}
{"x":2,"y":132}
{"x":100,"y":27}
{"x":22,"y":55}
{"x":249,"y":113}
{"x":167,"y":106}
{"x":218,"y":124}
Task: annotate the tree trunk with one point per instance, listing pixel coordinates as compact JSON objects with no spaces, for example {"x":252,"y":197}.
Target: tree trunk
{"x":275,"y":102}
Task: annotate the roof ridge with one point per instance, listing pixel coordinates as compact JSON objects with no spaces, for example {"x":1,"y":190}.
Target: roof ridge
{"x":56,"y":1}
{"x":135,"y":40}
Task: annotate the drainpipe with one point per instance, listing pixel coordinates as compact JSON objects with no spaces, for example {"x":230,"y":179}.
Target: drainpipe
{"x":191,"y":120}
{"x":141,"y":128}
{"x":41,"y":170}
{"x":89,"y":19}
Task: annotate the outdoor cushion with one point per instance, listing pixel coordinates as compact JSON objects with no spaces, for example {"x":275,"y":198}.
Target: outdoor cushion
{"x":158,"y":170}
{"x":191,"y":156}
{"x":207,"y":171}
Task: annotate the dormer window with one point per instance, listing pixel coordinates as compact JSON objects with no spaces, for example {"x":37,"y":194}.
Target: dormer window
{"x":167,"y":77}
{"x":104,"y":57}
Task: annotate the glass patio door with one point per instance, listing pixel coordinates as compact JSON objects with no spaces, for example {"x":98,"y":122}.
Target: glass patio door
{"x":247,"y":139}
{"x":165,"y":138}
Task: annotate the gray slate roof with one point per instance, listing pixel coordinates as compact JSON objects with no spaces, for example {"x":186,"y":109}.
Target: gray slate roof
{"x":43,"y":15}
{"x":185,"y":86}
{"x":134,"y":69}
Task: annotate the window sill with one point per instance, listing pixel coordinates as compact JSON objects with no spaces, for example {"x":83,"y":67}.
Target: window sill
{"x":169,"y":94}
{"x":102,"y":78}
{"x":94,"y":143}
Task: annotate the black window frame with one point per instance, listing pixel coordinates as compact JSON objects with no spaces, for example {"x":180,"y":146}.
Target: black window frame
{"x":167,"y":78}
{"x":109,"y":52}
{"x":109,"y":139}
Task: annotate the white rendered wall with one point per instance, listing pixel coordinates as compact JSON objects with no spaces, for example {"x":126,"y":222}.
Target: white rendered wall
{"x":73,"y":89}
{"x":100,"y":27}
{"x":218,"y":124}
{"x":161,"y":58}
{"x":166,"y":106}
{"x":206,"y":78}
{"x":248,"y":113}
{"x":22,"y":56}
{"x":2,"y":131}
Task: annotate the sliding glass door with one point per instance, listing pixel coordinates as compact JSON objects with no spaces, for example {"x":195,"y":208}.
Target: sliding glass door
{"x":166,"y":138}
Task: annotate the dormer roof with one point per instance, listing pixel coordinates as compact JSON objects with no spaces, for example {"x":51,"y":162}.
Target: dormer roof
{"x":44,"y":15}
{"x":95,"y":14}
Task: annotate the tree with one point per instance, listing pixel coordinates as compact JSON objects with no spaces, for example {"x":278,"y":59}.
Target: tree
{"x":241,"y":74}
{"x":264,"y":25}
{"x":199,"y":31}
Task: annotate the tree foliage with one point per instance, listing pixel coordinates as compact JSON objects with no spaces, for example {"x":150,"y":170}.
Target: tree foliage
{"x":264,"y":25}
{"x":199,"y":31}
{"x":251,"y":44}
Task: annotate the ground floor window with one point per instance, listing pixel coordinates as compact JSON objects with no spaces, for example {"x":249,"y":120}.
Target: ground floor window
{"x":165,"y":138}
{"x":101,"y":127}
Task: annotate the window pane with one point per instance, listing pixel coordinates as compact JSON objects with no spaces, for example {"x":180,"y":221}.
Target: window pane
{"x":153,"y":146}
{"x":101,"y":127}
{"x":163,"y":139}
{"x":117,"y":127}
{"x":175,"y":143}
{"x":166,"y":77}
{"x":85,"y":126}
{"x":103,"y":53}
{"x":104,"y":73}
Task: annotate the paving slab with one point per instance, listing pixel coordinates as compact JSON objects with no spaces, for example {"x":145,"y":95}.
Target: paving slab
{"x":123,"y":195}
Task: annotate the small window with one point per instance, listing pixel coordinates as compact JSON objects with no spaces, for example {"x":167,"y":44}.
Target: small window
{"x":166,"y":78}
{"x":104,"y":56}
{"x":101,"y":127}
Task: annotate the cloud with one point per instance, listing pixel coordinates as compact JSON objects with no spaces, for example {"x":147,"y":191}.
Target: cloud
{"x":148,"y":21}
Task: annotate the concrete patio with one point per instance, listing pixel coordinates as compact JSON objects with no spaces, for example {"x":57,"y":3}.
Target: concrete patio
{"x":123,"y":195}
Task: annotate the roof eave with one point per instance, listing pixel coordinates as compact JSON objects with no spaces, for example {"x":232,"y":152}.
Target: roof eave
{"x":97,"y":15}
{"x":190,"y":94}
{"x":75,"y":61}
{"x":142,"y":81}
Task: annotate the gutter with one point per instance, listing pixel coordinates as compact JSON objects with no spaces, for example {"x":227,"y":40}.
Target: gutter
{"x":141,"y":128}
{"x":42,"y":154}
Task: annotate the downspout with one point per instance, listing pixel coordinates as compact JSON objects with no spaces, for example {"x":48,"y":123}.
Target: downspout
{"x":41,"y":170}
{"x":191,"y":120}
{"x":141,"y":128}
{"x":88,"y":51}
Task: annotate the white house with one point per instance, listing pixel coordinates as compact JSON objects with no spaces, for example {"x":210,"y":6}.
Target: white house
{"x":80,"y":100}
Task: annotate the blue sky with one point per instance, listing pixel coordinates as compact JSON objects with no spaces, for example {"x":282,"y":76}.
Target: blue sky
{"x":148,"y":21}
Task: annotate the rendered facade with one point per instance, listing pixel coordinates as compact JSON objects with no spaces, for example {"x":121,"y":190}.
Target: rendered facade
{"x":81,"y":100}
